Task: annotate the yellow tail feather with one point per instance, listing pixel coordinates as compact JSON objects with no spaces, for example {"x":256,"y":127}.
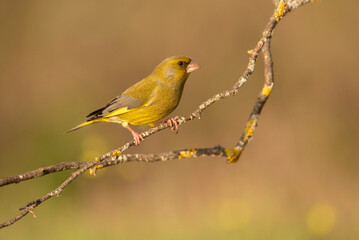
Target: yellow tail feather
{"x":87,"y":123}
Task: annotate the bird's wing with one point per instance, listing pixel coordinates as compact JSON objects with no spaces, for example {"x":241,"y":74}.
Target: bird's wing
{"x":117,"y":106}
{"x":139,"y":95}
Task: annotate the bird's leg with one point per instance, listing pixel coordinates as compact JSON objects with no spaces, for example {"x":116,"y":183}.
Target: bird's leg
{"x":136,"y":136}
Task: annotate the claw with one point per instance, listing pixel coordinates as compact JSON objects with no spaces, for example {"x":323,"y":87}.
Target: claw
{"x":173,"y":123}
{"x":136,"y":136}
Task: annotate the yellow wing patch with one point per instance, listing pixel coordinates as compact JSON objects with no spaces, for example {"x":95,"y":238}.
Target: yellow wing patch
{"x":119,"y":112}
{"x":123,"y":110}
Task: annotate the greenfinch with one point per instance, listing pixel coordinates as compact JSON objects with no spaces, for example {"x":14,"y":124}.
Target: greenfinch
{"x":149,"y":100}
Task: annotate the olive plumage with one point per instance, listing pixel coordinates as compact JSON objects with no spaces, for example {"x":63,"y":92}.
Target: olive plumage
{"x":148,"y":101}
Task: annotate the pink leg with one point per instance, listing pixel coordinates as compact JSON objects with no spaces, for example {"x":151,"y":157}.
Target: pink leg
{"x":136,"y":136}
{"x":173,"y":123}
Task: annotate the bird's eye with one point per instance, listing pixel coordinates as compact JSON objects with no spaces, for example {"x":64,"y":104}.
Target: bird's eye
{"x":180,"y":63}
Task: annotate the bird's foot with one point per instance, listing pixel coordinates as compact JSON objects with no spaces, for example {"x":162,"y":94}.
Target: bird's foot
{"x":173,"y":123}
{"x":136,"y":136}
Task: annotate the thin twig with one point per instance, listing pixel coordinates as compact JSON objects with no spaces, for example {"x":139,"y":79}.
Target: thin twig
{"x":115,"y":157}
{"x":267,"y":34}
{"x":252,"y":123}
{"x":41,"y":172}
{"x":115,"y":160}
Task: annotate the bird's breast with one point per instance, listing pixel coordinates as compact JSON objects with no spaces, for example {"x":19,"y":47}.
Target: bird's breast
{"x":162,"y":102}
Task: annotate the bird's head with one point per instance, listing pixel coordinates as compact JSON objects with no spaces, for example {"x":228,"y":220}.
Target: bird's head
{"x":176,"y":69}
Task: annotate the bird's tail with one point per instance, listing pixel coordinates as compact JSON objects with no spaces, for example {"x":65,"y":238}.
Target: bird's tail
{"x":87,"y":123}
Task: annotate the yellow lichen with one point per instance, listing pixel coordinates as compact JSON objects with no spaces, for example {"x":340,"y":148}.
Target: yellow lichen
{"x":93,"y":170}
{"x":266,"y":90}
{"x":251,"y":124}
{"x":32,"y":213}
{"x":42,"y":169}
{"x":115,"y":153}
{"x":250,"y":51}
{"x":280,"y":10}
{"x":233,"y":154}
{"x":97,"y":159}
{"x":187,"y":154}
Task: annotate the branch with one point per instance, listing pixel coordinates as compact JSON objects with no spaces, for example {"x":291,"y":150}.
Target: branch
{"x":83,"y":166}
{"x":234,"y":154}
{"x":177,"y":154}
{"x":41,"y":172}
{"x":116,"y":157}
{"x":282,"y":10}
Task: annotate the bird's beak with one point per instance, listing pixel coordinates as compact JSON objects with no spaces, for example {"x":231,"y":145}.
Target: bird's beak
{"x":192,"y":67}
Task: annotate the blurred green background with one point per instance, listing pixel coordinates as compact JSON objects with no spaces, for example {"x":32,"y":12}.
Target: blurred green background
{"x":297,"y":179}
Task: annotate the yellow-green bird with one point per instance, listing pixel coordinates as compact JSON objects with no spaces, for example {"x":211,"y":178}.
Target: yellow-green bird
{"x":150,"y":100}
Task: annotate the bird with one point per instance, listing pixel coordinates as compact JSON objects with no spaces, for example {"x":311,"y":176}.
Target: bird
{"x":149,"y":100}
